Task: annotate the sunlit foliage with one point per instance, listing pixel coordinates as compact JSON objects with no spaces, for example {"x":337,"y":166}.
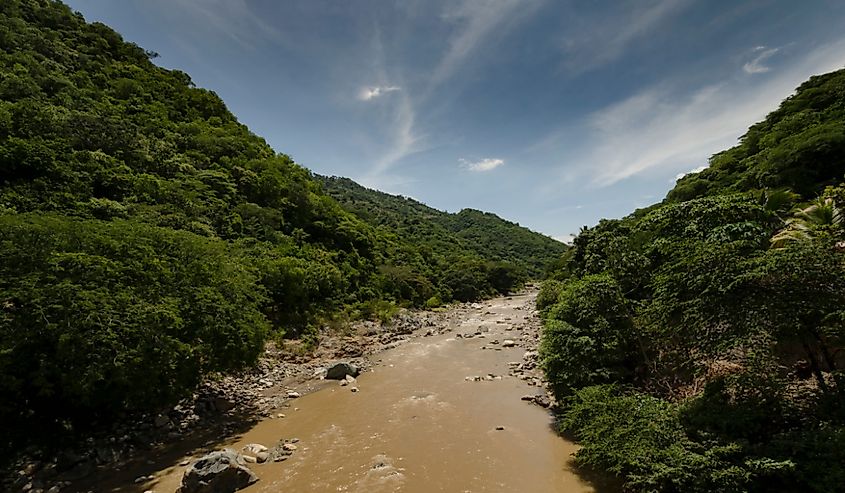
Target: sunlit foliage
{"x":697,"y":345}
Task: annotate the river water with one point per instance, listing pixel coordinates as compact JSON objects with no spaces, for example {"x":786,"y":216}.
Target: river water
{"x":418,"y":425}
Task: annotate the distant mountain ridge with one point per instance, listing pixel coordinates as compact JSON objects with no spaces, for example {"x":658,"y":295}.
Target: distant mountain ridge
{"x":148,"y":238}
{"x":469,"y":231}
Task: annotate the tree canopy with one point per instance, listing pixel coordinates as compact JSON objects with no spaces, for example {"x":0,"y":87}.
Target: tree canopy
{"x":148,"y":238}
{"x":698,"y":344}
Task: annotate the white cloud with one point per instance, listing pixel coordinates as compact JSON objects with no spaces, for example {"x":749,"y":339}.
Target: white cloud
{"x":485,"y":164}
{"x":404,"y":140}
{"x":664,"y":126}
{"x":567,"y":238}
{"x":475,"y":24}
{"x":372,"y":92}
{"x":397,"y":117}
{"x":694,"y":170}
{"x":756,"y":65}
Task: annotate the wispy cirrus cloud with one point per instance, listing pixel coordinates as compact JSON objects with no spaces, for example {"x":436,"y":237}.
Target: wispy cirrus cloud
{"x":405,"y":140}
{"x":481,"y":165}
{"x":477,"y":21}
{"x":594,"y":42}
{"x":233,"y":18}
{"x":757,"y":64}
{"x":664,"y":126}
{"x":475,"y":25}
{"x":396,"y":117}
{"x":372,"y":92}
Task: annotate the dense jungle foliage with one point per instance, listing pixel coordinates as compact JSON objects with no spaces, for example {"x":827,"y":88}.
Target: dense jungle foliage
{"x":466,"y":234}
{"x":147,"y":238}
{"x":697,"y":345}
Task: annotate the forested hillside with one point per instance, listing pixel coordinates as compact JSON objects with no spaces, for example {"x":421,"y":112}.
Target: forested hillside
{"x":148,"y":238}
{"x":697,"y":345}
{"x":468,"y":234}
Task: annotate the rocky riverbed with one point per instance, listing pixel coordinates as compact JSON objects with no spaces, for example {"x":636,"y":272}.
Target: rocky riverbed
{"x":223,"y":410}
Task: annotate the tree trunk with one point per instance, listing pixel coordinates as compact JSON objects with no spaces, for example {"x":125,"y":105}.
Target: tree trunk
{"x":828,"y":359}
{"x":814,"y":365}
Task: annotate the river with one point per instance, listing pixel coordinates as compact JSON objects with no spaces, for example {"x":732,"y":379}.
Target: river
{"x":417,"y":424}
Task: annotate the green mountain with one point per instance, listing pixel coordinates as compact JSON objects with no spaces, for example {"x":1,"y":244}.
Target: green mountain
{"x":797,"y":147}
{"x":699,"y":344}
{"x":469,"y":233}
{"x":148,"y":238}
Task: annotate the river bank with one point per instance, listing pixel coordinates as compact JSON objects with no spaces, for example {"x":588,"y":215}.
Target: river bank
{"x":449,"y":401}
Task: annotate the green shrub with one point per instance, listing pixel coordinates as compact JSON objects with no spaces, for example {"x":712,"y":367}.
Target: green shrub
{"x":640,"y":439}
{"x":549,"y":294}
{"x":378,"y":310}
{"x":818,"y":454}
{"x":588,"y":336}
{"x":99,"y":318}
{"x":466,"y":281}
{"x":504,"y":277}
{"x":433,"y":302}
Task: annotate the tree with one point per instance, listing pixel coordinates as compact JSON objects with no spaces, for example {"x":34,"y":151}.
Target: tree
{"x":821,"y":215}
{"x":588,"y":336}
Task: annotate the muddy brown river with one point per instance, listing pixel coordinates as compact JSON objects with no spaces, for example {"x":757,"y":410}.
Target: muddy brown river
{"x":417,"y":424}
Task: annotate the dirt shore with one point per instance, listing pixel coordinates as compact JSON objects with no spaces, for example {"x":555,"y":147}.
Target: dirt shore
{"x":136,"y":457}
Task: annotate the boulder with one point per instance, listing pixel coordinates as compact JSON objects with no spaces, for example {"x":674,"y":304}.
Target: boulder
{"x":222,"y":471}
{"x":254,"y":448}
{"x":541,"y":400}
{"x":282,"y":450}
{"x":223,"y":404}
{"x":339,"y":371}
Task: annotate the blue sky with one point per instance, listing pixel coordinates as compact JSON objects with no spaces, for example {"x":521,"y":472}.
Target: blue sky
{"x":550,"y":113}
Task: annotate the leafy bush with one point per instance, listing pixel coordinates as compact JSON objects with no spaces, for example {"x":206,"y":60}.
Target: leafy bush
{"x":640,"y":439}
{"x":159,"y":239}
{"x":504,"y":277}
{"x":721,"y":312}
{"x":433,"y":302}
{"x":587,"y":338}
{"x":466,"y":281}
{"x":378,"y":310}
{"x":100,"y":318}
{"x":549,"y":293}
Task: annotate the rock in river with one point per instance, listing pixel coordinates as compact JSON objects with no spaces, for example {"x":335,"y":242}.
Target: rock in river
{"x":339,"y":371}
{"x":223,"y":471}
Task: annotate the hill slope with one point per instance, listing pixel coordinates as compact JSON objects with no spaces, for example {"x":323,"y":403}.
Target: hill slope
{"x":469,"y":232}
{"x":798,"y":147}
{"x":699,"y":344}
{"x":148,"y":238}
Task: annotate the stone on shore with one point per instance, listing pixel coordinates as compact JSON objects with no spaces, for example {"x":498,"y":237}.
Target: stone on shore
{"x":339,"y":371}
{"x":222,"y":471}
